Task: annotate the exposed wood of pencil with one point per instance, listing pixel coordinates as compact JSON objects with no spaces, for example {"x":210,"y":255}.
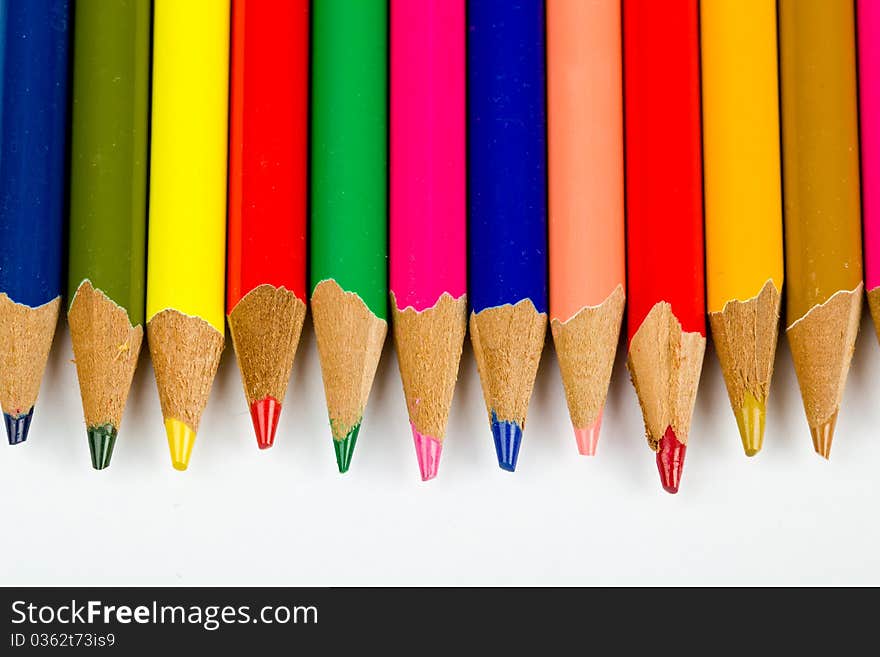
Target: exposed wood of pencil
{"x":429,"y":347}
{"x":105,"y":348}
{"x":508,"y":341}
{"x":585,"y":346}
{"x":664,"y":363}
{"x":822,"y":344}
{"x":350,"y":340}
{"x":185,"y":351}
{"x":25,"y":340}
{"x":745,"y":334}
{"x":265,"y":326}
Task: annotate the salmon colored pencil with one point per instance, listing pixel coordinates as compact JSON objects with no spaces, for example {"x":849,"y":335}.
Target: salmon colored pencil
{"x":667,"y":325}
{"x":266,"y":258}
{"x":585,"y":146}
{"x":823,"y":237}
{"x":187,"y":228}
{"x":743,"y":200}
{"x":869,"y":96}
{"x":428,"y":272}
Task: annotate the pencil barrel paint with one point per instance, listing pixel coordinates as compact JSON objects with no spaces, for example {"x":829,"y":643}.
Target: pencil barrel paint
{"x":268,"y":148}
{"x":348,"y":238}
{"x":33,"y":130}
{"x":109,"y":141}
{"x":585,"y":146}
{"x":868,"y":14}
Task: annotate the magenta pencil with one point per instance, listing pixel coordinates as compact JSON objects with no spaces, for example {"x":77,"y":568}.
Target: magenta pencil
{"x":428,"y":225}
{"x":869,"y":98}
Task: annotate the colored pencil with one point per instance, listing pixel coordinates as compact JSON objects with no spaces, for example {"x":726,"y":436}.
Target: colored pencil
{"x":33,"y":152}
{"x":187,"y":231}
{"x":586,"y":220}
{"x":868,"y":13}
{"x":743,"y":201}
{"x":820,"y":163}
{"x":108,"y":208}
{"x":666,"y":318}
{"x":507,"y":201}
{"x":428,"y":206}
{"x":348,"y":241}
{"x":266,"y":259}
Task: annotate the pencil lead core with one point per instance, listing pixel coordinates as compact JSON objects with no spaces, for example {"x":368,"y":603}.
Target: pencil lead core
{"x":345,"y":448}
{"x":822,"y":437}
{"x":507,"y":436}
{"x":17,"y":426}
{"x":670,"y":461}
{"x":588,"y":437}
{"x":102,"y":439}
{"x":264,"y":414}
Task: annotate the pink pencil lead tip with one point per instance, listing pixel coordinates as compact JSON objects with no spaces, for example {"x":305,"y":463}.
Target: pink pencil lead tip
{"x":588,"y":437}
{"x":428,"y":452}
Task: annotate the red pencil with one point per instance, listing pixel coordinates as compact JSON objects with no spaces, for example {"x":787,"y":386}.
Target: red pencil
{"x":667,"y":330}
{"x":266,"y":267}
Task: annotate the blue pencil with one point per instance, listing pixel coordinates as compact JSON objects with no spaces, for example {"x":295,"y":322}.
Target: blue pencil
{"x":33,"y":154}
{"x":507,"y":199}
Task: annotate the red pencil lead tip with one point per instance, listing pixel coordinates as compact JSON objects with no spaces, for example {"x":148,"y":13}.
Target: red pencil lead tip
{"x":670,"y":461}
{"x":265,"y":413}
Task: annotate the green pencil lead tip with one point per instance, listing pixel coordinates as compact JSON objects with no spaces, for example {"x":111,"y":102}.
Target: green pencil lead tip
{"x":102,"y":439}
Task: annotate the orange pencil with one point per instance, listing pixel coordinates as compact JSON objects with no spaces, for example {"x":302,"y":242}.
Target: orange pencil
{"x":586,"y":229}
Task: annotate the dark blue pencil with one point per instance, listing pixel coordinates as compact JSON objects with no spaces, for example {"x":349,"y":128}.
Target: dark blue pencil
{"x":33,"y":153}
{"x":507,"y":199}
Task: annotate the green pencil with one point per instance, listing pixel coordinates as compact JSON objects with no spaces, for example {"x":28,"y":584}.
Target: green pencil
{"x":349,"y":200}
{"x":108,"y":208}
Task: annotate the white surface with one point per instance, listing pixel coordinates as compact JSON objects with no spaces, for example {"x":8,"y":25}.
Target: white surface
{"x":286,"y":517}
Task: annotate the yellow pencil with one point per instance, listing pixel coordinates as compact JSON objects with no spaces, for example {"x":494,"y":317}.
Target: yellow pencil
{"x":743,"y":197}
{"x":187,"y":232}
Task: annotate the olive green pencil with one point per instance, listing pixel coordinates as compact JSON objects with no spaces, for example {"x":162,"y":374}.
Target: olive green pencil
{"x":108,"y":204}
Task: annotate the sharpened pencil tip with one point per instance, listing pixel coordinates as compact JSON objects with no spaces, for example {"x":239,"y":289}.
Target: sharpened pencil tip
{"x":264,"y":414}
{"x":507,"y":436}
{"x":428,"y":450}
{"x":588,"y":437}
{"x":750,"y":419}
{"x":17,"y":426}
{"x":823,"y":435}
{"x":180,"y":441}
{"x":670,"y":461}
{"x":102,"y":439}
{"x":344,"y":448}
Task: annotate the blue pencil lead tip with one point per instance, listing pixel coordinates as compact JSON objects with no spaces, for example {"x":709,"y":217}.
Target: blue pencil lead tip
{"x":507,"y":436}
{"x":17,"y":426}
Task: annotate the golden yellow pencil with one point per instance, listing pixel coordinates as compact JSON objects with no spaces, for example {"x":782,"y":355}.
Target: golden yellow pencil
{"x":823,"y":236}
{"x":743,"y":199}
{"x":187,"y":231}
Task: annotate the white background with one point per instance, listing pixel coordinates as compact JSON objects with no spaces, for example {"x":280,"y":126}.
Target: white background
{"x":286,"y":517}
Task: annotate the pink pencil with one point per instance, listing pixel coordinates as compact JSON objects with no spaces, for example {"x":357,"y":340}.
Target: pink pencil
{"x":869,"y":97}
{"x":428,"y":268}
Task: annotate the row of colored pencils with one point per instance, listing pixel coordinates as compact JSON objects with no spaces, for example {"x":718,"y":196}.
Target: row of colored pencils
{"x":518,"y":216}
